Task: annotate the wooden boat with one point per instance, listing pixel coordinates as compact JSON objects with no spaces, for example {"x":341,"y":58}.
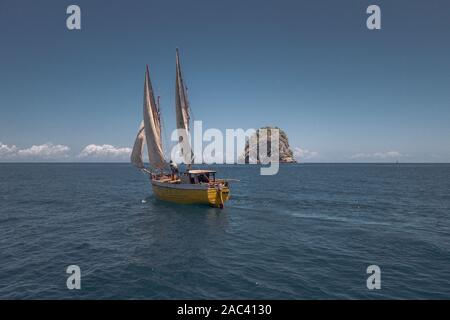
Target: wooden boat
{"x":190,"y":187}
{"x":213,"y":193}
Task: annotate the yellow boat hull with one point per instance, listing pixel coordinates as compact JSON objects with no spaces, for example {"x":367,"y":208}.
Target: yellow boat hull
{"x":191,"y":194}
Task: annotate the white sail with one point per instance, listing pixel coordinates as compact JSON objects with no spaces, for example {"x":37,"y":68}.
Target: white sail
{"x":152,"y":126}
{"x":182,"y":111}
{"x":138,"y":148}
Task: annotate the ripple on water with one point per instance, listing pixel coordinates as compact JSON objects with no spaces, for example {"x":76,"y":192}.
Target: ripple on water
{"x":311,"y":237}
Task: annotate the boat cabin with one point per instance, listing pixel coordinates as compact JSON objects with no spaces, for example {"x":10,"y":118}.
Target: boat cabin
{"x":198,"y":176}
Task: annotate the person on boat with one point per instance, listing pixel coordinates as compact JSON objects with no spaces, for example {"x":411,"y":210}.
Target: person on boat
{"x":174,"y":169}
{"x":202,"y":178}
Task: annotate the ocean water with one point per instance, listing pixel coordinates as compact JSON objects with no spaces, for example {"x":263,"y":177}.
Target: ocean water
{"x":307,"y":233}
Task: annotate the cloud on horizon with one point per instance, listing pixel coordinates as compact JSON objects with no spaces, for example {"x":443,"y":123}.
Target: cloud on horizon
{"x":304,"y":154}
{"x":46,"y":151}
{"x":110,"y":153}
{"x":7,"y":151}
{"x":389,"y":155}
{"x":51,"y":152}
{"x":105,"y":152}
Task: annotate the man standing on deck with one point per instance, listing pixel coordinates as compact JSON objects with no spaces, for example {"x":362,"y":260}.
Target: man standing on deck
{"x":174,"y":169}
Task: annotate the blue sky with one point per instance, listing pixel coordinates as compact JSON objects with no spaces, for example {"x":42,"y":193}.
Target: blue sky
{"x":342,"y":93}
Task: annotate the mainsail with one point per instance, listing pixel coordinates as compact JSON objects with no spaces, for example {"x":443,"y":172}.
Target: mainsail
{"x":182,"y":112}
{"x":152,"y":126}
{"x":150,"y":130}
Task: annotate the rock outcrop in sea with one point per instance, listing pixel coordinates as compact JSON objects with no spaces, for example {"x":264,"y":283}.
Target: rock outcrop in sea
{"x":285,"y":156}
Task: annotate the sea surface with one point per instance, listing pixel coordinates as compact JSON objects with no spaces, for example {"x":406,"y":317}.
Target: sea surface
{"x":309,"y":232}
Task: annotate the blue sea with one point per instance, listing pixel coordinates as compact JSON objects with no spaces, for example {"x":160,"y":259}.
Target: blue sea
{"x":309,"y":232}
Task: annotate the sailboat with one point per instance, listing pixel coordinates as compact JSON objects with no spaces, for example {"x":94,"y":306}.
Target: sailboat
{"x":194,"y":186}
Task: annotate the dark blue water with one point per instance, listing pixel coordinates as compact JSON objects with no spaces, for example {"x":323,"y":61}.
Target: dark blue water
{"x":308,"y":232}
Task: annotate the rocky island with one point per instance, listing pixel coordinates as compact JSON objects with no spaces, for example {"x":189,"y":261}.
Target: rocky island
{"x":286,"y":155}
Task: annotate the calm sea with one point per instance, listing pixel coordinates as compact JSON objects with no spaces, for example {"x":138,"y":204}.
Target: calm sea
{"x":309,"y":232}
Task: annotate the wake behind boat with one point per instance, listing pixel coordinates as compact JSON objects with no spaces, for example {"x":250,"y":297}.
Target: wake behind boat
{"x":191,"y":186}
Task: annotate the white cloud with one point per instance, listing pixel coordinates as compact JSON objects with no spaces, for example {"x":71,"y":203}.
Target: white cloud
{"x":44,"y":151}
{"x":304,"y":154}
{"x":378,"y":155}
{"x":7,"y":151}
{"x":47,"y":151}
{"x":105,"y":152}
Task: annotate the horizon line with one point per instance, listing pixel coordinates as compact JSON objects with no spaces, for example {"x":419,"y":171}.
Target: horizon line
{"x":208,"y":164}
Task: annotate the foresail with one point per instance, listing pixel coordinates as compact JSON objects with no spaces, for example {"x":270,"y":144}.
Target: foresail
{"x":182,"y":111}
{"x":152,"y":126}
{"x":138,"y":148}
